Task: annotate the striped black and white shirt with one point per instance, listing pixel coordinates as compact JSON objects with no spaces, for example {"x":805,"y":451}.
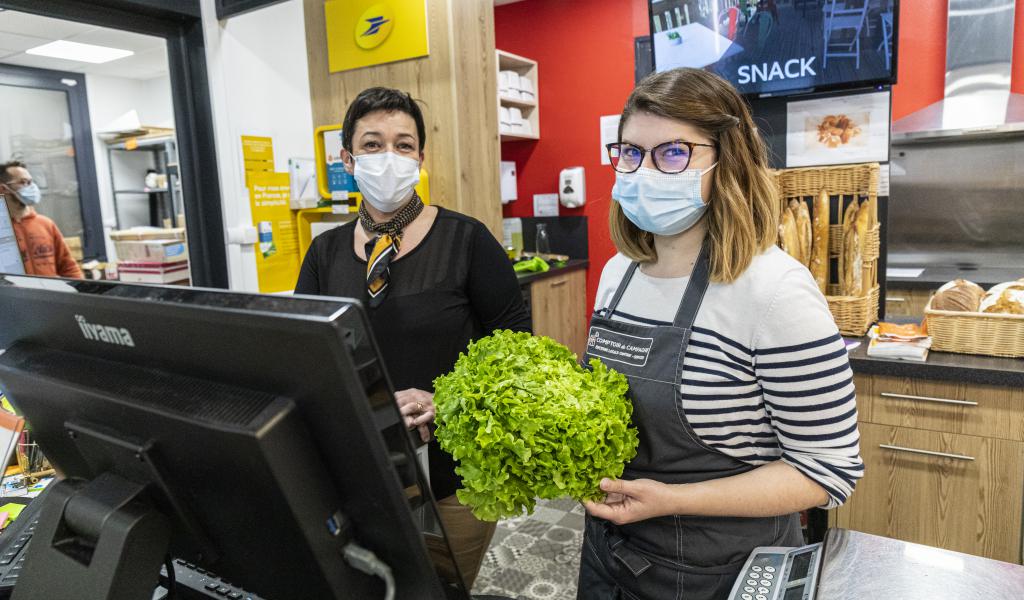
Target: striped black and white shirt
{"x":766,"y":375}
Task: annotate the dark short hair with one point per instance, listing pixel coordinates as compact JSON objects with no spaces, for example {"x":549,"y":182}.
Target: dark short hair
{"x":386,"y":99}
{"x":4,"y":175}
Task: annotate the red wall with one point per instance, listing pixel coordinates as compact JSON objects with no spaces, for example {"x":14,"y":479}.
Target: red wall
{"x":585,"y":56}
{"x":584,"y":52}
{"x":921,"y":66}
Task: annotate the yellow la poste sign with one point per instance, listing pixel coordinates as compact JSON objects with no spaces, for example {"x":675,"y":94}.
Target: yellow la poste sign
{"x":362,"y":33}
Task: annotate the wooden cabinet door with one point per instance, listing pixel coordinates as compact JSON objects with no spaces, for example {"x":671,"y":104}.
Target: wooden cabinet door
{"x":559,"y":309}
{"x":969,"y":500}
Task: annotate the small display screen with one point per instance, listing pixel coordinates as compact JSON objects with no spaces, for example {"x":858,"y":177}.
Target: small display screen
{"x":794,"y":593}
{"x":801,"y":563}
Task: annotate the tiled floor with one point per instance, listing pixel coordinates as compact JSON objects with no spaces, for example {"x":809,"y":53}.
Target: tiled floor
{"x":535,"y":557}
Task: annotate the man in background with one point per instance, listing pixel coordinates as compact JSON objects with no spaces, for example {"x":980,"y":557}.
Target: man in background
{"x":43,"y":249}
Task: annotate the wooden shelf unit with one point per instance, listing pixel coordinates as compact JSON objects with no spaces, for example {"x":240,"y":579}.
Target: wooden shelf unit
{"x":524,"y":67}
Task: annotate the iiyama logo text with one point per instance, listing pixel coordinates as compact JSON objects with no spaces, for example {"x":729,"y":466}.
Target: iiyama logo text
{"x":118,"y":336}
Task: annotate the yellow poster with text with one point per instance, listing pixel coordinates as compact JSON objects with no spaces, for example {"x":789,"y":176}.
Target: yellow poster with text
{"x":277,"y":247}
{"x":361,"y":33}
{"x":257,"y":155}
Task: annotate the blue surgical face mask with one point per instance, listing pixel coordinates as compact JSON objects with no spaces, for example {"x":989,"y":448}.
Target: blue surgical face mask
{"x":660,"y":203}
{"x":30,"y":194}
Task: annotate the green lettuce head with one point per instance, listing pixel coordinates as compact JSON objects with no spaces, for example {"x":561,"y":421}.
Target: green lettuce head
{"x":526,"y":421}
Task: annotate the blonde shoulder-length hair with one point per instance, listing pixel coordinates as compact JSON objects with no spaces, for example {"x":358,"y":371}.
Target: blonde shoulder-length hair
{"x":742,"y":209}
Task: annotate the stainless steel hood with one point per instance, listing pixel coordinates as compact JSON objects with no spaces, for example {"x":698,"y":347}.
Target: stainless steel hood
{"x":979,"y":50}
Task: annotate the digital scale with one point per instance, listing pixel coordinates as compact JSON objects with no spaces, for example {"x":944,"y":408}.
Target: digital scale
{"x":779,"y":573}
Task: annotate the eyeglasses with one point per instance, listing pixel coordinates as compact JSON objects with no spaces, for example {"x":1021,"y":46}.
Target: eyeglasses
{"x":670,"y":158}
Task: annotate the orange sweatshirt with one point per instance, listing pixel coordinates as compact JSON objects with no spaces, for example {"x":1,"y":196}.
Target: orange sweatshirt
{"x":43,"y":249}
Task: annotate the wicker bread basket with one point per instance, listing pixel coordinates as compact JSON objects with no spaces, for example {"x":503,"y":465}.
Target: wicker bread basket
{"x":975,"y":332}
{"x":853,"y":314}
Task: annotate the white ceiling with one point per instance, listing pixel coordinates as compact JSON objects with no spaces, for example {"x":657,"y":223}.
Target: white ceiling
{"x":21,"y":31}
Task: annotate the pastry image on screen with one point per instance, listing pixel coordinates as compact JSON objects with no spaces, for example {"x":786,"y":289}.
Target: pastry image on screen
{"x":837,"y":130}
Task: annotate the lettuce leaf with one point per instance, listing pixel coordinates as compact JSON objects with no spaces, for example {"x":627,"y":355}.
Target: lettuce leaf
{"x":526,"y":421}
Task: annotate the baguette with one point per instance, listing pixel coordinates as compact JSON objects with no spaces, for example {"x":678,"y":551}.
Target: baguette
{"x":819,"y":247}
{"x":853,"y":264}
{"x":863,"y":219}
{"x":850,"y":252}
{"x":790,"y":237}
{"x":803,"y":230}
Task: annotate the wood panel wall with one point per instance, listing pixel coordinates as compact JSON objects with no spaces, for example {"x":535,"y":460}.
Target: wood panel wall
{"x":457,"y":84}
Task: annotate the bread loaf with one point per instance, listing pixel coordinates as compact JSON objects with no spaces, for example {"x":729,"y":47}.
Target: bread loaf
{"x":850,"y":215}
{"x":853,"y":264}
{"x":819,"y":244}
{"x":790,"y":237}
{"x":850,"y":255}
{"x":863,"y":218}
{"x":958,"y":295}
{"x":1005,"y":298}
{"x":803,"y":230}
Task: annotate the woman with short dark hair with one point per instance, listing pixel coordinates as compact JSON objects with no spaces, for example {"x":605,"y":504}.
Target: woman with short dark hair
{"x":433,"y":280}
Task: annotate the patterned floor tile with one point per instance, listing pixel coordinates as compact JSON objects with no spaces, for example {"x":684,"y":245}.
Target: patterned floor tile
{"x":535,"y":557}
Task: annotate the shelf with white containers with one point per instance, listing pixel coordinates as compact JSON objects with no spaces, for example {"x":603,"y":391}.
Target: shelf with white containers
{"x":518,"y":101}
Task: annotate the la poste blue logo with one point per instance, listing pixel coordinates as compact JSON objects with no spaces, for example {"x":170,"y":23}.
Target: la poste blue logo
{"x":374,"y":26}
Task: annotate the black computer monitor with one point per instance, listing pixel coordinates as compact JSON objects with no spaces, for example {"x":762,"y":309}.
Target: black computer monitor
{"x":256,"y":436}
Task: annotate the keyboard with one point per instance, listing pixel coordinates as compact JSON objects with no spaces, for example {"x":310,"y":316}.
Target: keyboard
{"x":13,"y":542}
{"x":193,"y":581}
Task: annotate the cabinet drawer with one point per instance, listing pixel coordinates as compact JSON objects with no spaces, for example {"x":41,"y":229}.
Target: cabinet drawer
{"x":951,"y":491}
{"x":972,"y":409}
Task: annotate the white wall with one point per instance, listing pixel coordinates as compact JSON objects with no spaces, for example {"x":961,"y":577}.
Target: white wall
{"x":259,"y":85}
{"x":109,"y":98}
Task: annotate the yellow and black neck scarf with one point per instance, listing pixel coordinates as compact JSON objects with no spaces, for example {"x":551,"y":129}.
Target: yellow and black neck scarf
{"x":383,"y":248}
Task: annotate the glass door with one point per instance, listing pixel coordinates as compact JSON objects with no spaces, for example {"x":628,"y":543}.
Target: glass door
{"x":41,"y":125}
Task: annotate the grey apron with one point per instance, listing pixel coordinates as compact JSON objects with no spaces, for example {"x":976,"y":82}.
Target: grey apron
{"x":673,"y":557}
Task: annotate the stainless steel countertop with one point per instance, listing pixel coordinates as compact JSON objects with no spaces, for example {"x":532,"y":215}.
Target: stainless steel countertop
{"x":860,"y":566}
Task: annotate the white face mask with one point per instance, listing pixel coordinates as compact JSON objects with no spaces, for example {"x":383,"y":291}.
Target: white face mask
{"x":660,"y":203}
{"x":385,"y":179}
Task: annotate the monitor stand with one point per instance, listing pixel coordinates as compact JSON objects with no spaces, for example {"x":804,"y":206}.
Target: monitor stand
{"x":96,"y":539}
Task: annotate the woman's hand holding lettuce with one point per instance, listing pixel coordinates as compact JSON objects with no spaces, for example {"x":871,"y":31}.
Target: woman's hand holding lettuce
{"x":525,"y":420}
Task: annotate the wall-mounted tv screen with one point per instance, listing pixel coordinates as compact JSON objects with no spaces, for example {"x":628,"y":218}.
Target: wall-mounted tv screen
{"x":779,"y":46}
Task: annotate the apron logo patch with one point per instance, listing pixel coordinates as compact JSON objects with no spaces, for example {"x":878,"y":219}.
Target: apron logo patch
{"x":619,"y":347}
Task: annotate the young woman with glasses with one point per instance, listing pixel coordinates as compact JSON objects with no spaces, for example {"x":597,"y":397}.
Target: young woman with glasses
{"x":740,"y":382}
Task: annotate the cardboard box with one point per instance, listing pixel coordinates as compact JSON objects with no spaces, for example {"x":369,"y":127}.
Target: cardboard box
{"x":152,"y":272}
{"x":152,"y":250}
{"x":136,"y":234}
{"x":75,"y":247}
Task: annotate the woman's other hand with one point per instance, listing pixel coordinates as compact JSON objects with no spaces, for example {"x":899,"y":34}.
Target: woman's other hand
{"x":629,"y":501}
{"x":417,"y":408}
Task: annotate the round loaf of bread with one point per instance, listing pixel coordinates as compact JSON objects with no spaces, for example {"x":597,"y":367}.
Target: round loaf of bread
{"x":1005,"y":298}
{"x":959,"y":295}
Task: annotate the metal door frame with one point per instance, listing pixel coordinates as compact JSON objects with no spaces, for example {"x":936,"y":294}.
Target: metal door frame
{"x":180,"y":23}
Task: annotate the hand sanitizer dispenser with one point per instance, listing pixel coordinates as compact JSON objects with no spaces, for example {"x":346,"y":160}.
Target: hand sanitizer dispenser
{"x":572,"y":189}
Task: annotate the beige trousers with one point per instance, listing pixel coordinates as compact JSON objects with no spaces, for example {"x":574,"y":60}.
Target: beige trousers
{"x":468,"y":537}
